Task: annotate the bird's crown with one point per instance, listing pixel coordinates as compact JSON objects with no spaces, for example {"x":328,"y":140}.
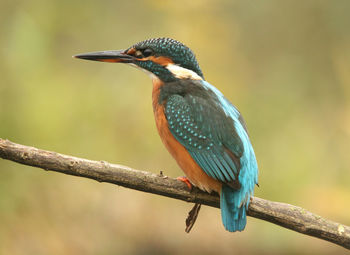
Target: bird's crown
{"x":176,"y":51}
{"x":165,"y":51}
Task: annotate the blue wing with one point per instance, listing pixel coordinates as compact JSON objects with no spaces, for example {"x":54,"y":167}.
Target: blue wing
{"x":201,"y":125}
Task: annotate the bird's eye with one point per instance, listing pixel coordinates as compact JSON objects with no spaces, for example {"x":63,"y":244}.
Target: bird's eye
{"x":143,"y":53}
{"x":147,"y":52}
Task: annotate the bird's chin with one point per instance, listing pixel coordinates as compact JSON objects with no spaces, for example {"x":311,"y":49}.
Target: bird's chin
{"x":150,"y":74}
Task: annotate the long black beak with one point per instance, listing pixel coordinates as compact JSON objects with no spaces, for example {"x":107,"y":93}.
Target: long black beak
{"x":114,"y":56}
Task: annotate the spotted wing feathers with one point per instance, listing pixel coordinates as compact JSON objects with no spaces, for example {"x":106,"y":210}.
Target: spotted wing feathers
{"x":203,"y":128}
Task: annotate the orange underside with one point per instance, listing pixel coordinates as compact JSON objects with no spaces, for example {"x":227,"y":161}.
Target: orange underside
{"x":192,"y":170}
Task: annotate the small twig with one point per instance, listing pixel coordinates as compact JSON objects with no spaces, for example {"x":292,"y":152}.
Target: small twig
{"x":285,"y":215}
{"x":192,"y":217}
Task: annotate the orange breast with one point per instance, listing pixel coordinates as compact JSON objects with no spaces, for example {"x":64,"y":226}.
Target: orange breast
{"x":192,"y":170}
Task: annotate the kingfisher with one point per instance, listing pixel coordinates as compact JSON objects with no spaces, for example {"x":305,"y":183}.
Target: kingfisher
{"x":201,"y":129}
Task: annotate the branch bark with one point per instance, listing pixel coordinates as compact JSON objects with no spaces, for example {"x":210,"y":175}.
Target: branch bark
{"x":285,"y":215}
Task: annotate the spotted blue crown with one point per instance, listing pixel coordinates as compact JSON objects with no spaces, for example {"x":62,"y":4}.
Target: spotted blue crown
{"x":179,"y":53}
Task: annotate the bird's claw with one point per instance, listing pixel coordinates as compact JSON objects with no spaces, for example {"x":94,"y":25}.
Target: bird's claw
{"x":185,"y":180}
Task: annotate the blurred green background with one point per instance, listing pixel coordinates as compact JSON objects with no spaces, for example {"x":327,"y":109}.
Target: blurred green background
{"x":284,"y":64}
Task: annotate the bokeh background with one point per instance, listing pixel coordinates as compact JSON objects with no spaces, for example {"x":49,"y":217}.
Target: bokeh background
{"x":285,"y":64}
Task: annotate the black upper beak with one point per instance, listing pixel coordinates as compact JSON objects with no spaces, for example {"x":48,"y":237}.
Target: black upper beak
{"x":114,"y":56}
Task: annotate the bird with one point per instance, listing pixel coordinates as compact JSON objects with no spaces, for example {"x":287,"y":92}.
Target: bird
{"x":199,"y":126}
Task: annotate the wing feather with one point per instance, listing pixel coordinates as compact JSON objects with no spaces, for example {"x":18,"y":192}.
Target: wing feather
{"x":202,"y":126}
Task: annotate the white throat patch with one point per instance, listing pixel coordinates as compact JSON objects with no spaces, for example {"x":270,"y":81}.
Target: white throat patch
{"x":182,"y":73}
{"x":151,"y":75}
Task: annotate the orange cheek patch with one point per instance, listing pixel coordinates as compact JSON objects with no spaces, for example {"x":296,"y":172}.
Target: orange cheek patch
{"x":164,"y":61}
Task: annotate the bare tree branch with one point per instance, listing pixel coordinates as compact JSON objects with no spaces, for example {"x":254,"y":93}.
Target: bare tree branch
{"x":285,"y":215}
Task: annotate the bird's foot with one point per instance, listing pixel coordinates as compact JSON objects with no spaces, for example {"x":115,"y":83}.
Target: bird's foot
{"x":185,"y":180}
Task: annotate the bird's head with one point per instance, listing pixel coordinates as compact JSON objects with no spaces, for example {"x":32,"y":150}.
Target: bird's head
{"x":165,"y":58}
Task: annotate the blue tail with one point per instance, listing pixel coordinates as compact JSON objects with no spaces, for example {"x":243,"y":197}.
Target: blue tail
{"x":233,"y":212}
